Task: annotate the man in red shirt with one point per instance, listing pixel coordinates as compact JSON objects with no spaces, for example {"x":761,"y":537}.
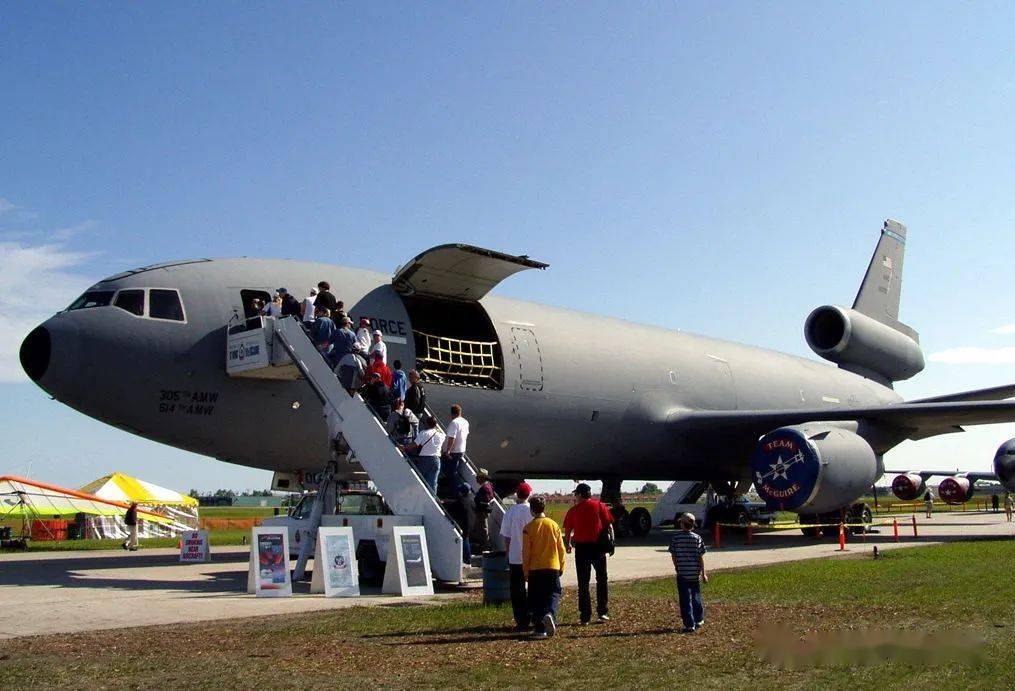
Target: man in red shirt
{"x":584,"y":523}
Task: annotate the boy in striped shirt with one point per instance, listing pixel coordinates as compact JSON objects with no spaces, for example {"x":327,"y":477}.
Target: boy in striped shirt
{"x":687,"y":550}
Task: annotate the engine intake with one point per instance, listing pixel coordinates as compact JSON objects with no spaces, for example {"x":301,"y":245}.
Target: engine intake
{"x":812,"y":468}
{"x":955,"y":490}
{"x":861,"y":344}
{"x":908,"y":486}
{"x":1004,"y":464}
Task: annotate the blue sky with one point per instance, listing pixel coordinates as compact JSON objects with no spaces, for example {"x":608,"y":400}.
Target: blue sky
{"x":719,"y":168}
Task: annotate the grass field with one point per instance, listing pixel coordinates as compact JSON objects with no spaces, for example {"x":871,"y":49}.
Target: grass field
{"x":960,"y":593}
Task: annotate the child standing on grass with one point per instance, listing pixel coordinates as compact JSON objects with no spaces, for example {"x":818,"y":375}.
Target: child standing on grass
{"x":687,"y":551}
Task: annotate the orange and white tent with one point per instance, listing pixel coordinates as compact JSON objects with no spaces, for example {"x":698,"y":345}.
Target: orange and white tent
{"x":30,"y":500}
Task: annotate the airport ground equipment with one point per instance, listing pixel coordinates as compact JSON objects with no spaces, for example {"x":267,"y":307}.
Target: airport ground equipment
{"x":684,"y":496}
{"x":362,"y":447}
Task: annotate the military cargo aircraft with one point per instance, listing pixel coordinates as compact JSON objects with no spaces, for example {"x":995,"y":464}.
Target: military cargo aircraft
{"x":552,"y":393}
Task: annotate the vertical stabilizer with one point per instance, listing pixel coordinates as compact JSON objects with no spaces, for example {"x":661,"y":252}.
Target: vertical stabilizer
{"x":881,"y":288}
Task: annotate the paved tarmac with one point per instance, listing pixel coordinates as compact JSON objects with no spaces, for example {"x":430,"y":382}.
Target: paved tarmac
{"x":63,"y":592}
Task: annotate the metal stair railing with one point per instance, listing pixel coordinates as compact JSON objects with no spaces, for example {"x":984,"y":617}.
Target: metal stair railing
{"x":467,"y":469}
{"x":389,"y":469}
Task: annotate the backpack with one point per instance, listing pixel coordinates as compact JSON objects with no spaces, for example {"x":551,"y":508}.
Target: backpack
{"x":402,"y":425}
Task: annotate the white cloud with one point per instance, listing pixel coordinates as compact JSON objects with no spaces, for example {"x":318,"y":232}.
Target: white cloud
{"x":975,"y":356}
{"x":35,"y":282}
{"x":6,"y":205}
{"x":1006,"y":329}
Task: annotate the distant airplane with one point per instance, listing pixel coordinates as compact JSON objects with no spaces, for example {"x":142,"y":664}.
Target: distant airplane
{"x":957,"y":487}
{"x":552,"y":393}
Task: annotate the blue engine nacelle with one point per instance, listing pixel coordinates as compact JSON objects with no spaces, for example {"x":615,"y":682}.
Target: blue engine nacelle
{"x":1004,"y":464}
{"x":812,"y":468}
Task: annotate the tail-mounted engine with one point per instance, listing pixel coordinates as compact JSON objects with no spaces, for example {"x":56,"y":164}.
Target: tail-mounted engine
{"x":861,"y":344}
{"x":812,"y":468}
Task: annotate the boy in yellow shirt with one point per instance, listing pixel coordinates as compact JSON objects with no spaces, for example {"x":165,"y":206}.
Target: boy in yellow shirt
{"x":543,"y":563}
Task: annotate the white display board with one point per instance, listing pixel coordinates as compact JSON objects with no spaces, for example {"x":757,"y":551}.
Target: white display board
{"x":194,"y":547}
{"x":407,"y":571}
{"x":269,"y":563}
{"x":336,"y":573}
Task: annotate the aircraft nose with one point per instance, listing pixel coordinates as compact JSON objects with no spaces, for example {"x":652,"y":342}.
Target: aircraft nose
{"x":36,"y":350}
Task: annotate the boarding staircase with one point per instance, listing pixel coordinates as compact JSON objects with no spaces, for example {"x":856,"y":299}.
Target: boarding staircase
{"x":279,"y":348}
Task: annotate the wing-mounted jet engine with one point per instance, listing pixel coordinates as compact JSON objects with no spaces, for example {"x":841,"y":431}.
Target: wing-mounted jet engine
{"x":813,"y":469}
{"x":956,"y":490}
{"x":1004,"y":465}
{"x":909,"y":486}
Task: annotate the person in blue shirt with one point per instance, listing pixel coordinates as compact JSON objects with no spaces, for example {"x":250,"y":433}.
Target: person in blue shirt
{"x":399,"y":382}
{"x":322,"y":333}
{"x":344,"y":340}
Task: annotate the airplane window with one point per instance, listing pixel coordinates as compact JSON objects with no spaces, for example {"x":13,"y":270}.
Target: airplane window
{"x":92,"y":298}
{"x":165,"y":304}
{"x":131,"y":301}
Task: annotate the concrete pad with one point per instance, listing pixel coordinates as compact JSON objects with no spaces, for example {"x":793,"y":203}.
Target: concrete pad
{"x":63,"y":592}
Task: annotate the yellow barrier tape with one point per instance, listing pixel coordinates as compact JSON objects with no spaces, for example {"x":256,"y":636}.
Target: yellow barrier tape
{"x":793,"y":526}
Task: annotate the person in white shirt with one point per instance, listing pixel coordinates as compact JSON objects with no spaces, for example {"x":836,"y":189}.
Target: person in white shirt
{"x":378,"y":346}
{"x":363,"y":335}
{"x":427,"y":447}
{"x":308,"y":306}
{"x":454,"y":447}
{"x":511,"y":527}
{"x":273,"y":308}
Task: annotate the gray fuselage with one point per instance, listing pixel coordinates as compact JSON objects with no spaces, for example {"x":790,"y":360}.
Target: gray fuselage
{"x":583,"y":396}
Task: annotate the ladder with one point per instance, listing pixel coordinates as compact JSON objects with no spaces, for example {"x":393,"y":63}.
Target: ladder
{"x":352,"y":421}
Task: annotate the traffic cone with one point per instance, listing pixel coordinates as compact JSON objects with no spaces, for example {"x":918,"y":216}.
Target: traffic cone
{"x":895,"y":528}
{"x":842,"y":537}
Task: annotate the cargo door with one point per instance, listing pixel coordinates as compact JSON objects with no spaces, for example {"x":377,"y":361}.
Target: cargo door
{"x":458,"y":272}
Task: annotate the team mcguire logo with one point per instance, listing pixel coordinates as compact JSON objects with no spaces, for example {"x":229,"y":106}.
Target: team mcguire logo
{"x":783,"y":472}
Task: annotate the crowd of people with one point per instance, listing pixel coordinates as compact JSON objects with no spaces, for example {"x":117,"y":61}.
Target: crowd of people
{"x":537,"y":548}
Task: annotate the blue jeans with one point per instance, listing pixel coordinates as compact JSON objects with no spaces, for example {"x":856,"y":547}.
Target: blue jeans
{"x":691,"y":609}
{"x":450,"y":468}
{"x":544,"y":596}
{"x":429,"y":467}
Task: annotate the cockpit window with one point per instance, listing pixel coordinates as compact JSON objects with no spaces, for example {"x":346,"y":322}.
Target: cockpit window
{"x":131,"y":301}
{"x":165,"y":304}
{"x":92,"y":298}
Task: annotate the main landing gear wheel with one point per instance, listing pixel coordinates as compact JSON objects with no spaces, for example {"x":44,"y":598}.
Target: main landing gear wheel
{"x":639,"y":521}
{"x":621,"y":522}
{"x":807,"y":530}
{"x":860,"y":513}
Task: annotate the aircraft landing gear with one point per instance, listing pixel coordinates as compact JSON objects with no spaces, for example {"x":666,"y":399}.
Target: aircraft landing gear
{"x":634,"y":523}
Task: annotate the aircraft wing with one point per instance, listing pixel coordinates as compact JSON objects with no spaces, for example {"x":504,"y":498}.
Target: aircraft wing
{"x":917,"y":420}
{"x":994,"y":393}
{"x":973,"y":475}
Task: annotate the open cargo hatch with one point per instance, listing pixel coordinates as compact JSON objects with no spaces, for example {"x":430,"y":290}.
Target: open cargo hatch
{"x":458,"y":272}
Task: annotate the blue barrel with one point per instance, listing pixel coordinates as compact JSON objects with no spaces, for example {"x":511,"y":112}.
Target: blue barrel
{"x":496,"y":578}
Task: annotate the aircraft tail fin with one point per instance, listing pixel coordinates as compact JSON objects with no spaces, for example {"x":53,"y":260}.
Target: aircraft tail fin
{"x":881,"y":289}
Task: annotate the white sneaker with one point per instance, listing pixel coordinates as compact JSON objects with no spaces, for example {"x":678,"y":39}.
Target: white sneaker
{"x":604,"y":617}
{"x":550,"y":624}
